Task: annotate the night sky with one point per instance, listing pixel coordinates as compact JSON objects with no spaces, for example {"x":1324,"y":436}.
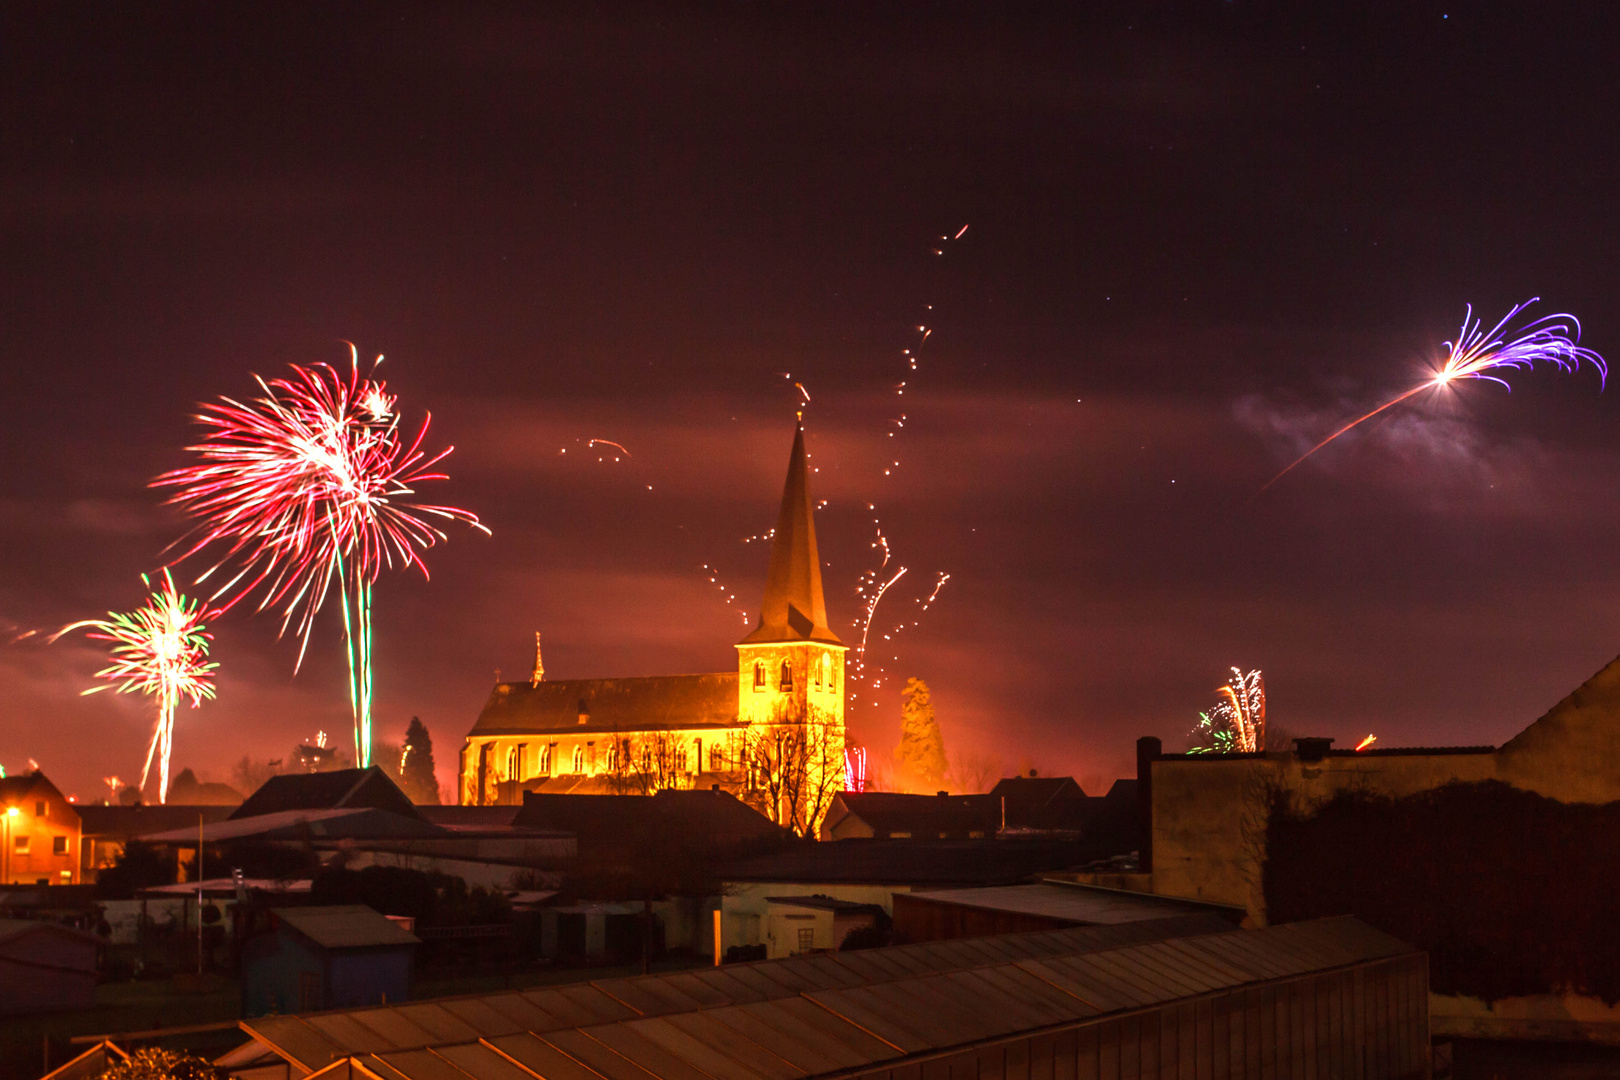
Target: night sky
{"x":1200,"y":236}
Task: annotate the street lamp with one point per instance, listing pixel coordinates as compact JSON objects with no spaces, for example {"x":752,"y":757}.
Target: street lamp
{"x":11,"y":812}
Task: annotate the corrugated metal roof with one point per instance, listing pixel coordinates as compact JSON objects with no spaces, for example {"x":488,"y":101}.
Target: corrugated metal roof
{"x":827,"y":1012}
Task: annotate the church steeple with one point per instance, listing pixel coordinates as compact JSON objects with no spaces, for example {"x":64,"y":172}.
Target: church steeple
{"x":793,"y":608}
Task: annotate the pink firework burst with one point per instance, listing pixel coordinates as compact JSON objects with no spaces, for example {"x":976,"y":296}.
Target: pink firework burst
{"x":312,"y":483}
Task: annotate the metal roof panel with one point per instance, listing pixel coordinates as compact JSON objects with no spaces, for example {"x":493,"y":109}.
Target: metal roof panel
{"x":542,"y":1059}
{"x":480,"y":1061}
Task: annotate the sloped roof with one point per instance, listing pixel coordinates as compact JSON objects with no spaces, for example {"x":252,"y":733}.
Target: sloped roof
{"x":1042,"y":802}
{"x":144,"y":820}
{"x":16,"y":928}
{"x":344,"y":823}
{"x":313,"y":1039}
{"x":1079,"y":903}
{"x":920,"y":815}
{"x":345,"y":926}
{"x":610,"y":705}
{"x":910,"y":862}
{"x":710,"y":817}
{"x":794,"y":608}
{"x":16,"y":788}
{"x":338,"y":789}
{"x":825,"y":1015}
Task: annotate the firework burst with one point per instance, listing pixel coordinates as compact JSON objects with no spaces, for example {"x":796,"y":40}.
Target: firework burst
{"x":162,"y":650}
{"x":1237,"y":724}
{"x":309,"y":485}
{"x":1477,"y":354}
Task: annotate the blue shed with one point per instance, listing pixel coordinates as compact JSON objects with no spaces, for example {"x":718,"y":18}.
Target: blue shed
{"x":326,"y":958}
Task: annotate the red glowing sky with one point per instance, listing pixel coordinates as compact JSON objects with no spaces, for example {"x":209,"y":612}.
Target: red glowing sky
{"x":1199,"y":239}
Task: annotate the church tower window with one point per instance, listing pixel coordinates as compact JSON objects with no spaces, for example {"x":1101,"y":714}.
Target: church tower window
{"x":759,"y":675}
{"x":787,"y":676}
{"x":821,"y":671}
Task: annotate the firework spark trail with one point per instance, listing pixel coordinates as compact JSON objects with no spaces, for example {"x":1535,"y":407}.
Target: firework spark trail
{"x":1475,"y":353}
{"x":729,"y":596}
{"x":1368,"y":741}
{"x":162,"y":650}
{"x":871,"y":586}
{"x":307,"y":486}
{"x":607,"y":442}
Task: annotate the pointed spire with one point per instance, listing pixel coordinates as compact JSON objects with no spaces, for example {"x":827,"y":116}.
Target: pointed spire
{"x":539,"y":665}
{"x":793,"y":608}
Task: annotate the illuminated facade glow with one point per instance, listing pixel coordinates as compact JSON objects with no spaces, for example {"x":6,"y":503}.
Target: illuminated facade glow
{"x":771,"y":731}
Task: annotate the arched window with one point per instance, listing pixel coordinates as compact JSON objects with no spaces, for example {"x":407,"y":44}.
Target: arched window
{"x":759,"y":675}
{"x":545,"y":759}
{"x":787,"y":676}
{"x":514,"y":761}
{"x":613,"y":756}
{"x":579,"y":760}
{"x":680,"y":758}
{"x":717,"y":759}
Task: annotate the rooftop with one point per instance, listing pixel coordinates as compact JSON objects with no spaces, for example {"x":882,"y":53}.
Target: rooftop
{"x":347,"y":926}
{"x":919,"y":815}
{"x":1077,"y":903}
{"x":340,"y":788}
{"x":910,"y":862}
{"x":139,"y":821}
{"x":354,"y":823}
{"x":609,"y":705}
{"x":828,"y":1014}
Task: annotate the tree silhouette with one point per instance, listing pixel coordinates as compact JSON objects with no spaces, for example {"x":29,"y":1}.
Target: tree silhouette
{"x":921,"y":753}
{"x":416,"y":765}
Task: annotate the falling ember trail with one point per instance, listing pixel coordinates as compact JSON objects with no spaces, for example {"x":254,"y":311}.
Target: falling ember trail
{"x":607,"y":442}
{"x":1552,"y":338}
{"x":1368,"y":741}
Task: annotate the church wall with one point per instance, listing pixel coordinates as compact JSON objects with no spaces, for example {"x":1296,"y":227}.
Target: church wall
{"x":644,"y":759}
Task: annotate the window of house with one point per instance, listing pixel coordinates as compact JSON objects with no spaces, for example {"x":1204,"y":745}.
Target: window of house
{"x":717,"y":759}
{"x":19,"y":844}
{"x":807,"y":938}
{"x":759,"y":675}
{"x":39,"y":809}
{"x":787,"y":676}
{"x":579,"y":759}
{"x":59,"y":845}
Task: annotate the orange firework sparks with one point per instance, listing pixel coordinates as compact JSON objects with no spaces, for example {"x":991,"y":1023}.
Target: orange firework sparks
{"x":607,"y":442}
{"x":1368,"y":741}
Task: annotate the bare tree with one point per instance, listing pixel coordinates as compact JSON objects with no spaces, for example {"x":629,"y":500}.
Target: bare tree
{"x":973,"y":773}
{"x":795,"y":765}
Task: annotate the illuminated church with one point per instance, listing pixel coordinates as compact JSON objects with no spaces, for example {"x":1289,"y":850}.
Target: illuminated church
{"x":771,"y":730}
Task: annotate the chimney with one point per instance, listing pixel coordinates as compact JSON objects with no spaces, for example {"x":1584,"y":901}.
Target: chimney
{"x":539,"y":667}
{"x":1311,"y":750}
{"x":1148,"y":748}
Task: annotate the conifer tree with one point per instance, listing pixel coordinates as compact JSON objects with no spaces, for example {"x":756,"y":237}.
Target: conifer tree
{"x":416,"y":767}
{"x":921,"y":753}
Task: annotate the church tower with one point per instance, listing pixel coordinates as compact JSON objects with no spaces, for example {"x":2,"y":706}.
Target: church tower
{"x":791,"y":667}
